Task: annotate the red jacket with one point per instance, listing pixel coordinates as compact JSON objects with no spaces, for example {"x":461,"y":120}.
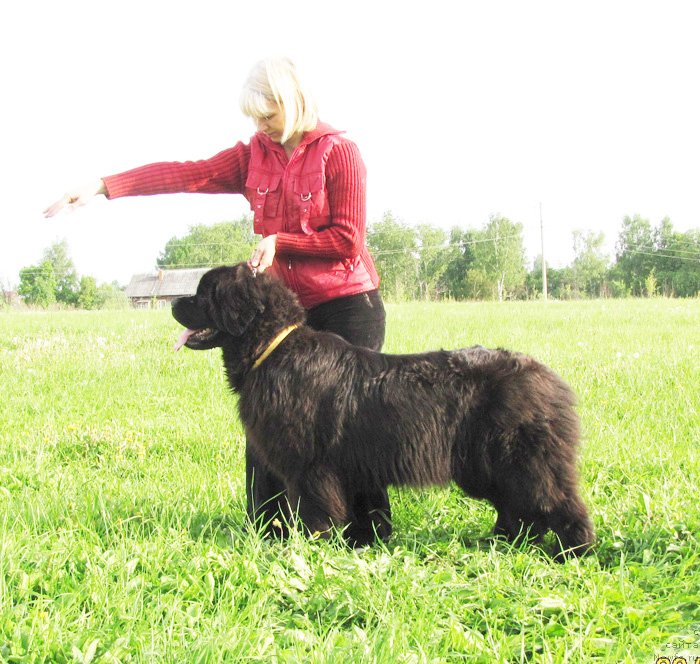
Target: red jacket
{"x":314,"y":202}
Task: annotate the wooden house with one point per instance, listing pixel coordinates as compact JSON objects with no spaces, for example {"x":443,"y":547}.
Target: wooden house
{"x":158,"y":289}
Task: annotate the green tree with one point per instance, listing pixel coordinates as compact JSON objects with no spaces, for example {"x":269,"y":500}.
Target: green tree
{"x":112,"y":296}
{"x":686,"y":280}
{"x":499,"y":254}
{"x":37,"y":284}
{"x":53,"y":280}
{"x":635,"y":253}
{"x":478,"y":284}
{"x":459,"y":259}
{"x":559,"y":281}
{"x":66,"y":277}
{"x":676,"y":260}
{"x":533,"y":280}
{"x":88,"y":295}
{"x":590,"y":264}
{"x":395,"y":248}
{"x":224,"y":243}
{"x":433,"y":261}
{"x":659,"y":257}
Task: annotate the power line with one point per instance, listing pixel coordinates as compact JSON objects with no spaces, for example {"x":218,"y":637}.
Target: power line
{"x":544,"y":261}
{"x":656,"y":254}
{"x":641,"y":249}
{"x":650,"y":247}
{"x":446,"y":247}
{"x":389,"y":252}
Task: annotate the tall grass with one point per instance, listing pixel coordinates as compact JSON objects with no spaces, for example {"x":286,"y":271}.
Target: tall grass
{"x":122,"y":534}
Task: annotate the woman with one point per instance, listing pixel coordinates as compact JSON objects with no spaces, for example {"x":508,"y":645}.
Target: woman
{"x":306,"y":187}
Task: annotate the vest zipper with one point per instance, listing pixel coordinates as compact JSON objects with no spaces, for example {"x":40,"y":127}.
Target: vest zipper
{"x":285,"y":180}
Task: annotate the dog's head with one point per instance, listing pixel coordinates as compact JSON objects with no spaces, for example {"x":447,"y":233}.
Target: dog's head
{"x":232,"y":303}
{"x":226,"y":304}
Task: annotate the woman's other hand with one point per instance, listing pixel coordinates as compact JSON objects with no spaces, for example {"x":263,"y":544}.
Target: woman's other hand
{"x":76,"y":197}
{"x":264,"y":253}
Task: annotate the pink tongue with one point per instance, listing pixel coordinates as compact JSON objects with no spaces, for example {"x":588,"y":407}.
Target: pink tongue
{"x":182,"y":339}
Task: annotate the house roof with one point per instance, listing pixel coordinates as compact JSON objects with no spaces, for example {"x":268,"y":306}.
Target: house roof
{"x":165,"y":283}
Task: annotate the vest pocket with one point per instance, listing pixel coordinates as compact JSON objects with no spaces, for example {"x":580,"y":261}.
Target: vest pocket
{"x":264,"y":192}
{"x":310,"y":200}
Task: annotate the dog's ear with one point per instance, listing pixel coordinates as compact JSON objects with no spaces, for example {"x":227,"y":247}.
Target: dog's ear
{"x":237,"y":300}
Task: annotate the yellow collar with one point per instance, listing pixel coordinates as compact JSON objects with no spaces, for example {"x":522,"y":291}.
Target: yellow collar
{"x":273,"y":344}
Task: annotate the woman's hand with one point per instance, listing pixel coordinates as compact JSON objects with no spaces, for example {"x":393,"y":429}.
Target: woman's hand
{"x":264,"y":253}
{"x":76,"y":197}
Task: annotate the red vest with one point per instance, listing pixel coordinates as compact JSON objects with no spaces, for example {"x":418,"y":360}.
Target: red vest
{"x":290,"y":197}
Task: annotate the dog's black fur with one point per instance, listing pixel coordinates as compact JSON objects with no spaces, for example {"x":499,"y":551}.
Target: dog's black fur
{"x":334,"y":421}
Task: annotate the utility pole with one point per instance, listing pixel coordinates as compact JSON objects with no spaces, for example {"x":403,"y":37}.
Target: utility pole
{"x":544,"y":263}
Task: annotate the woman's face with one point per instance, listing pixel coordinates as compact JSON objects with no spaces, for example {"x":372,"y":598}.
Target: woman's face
{"x":272,"y":124}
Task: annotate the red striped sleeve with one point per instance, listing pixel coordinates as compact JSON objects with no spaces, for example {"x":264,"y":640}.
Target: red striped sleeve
{"x":346,"y":179}
{"x":224,"y":173}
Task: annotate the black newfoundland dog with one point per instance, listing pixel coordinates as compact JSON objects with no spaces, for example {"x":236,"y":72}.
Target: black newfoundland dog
{"x":334,"y":421}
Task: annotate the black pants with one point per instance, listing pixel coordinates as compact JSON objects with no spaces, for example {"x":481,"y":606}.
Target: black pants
{"x":359,"y":319}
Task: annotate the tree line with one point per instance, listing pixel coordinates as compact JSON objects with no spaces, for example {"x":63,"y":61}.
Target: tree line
{"x":489,"y":263}
{"x":54,"y":280}
{"x":429,"y":263}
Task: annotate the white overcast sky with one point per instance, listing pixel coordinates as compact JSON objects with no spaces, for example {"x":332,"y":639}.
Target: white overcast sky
{"x":460,"y":109}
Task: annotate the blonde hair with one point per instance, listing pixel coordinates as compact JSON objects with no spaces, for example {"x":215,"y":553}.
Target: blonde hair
{"x":274,"y":83}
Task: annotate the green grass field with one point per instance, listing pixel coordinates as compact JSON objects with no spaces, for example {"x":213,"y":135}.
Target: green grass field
{"x":122,"y":506}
